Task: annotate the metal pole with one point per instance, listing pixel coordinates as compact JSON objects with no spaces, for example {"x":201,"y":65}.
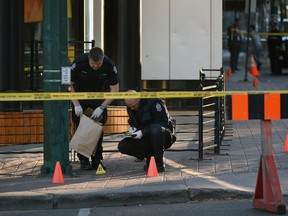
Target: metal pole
{"x":55,"y":49}
{"x":200,"y":122}
{"x":32,"y":49}
{"x":217,"y":124}
{"x":247,"y":44}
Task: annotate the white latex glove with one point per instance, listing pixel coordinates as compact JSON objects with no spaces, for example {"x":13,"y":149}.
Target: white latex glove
{"x":137,"y":135}
{"x":132,"y":130}
{"x":78,"y":110}
{"x":97,"y":113}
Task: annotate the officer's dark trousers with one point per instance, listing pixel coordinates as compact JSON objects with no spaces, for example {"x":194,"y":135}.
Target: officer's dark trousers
{"x":234,"y":55}
{"x":150,"y":145}
{"x":275,"y":66}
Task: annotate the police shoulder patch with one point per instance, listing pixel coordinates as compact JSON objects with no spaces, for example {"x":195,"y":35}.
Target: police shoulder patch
{"x":158,"y":107}
{"x":73,"y":66}
{"x":115,"y":69}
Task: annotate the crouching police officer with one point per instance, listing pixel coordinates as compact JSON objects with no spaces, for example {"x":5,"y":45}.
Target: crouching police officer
{"x":152,"y":130}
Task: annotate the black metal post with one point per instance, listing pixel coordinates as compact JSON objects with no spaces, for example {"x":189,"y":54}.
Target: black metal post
{"x":217,"y":119}
{"x":200,"y":123}
{"x":247,"y":43}
{"x":32,"y":65}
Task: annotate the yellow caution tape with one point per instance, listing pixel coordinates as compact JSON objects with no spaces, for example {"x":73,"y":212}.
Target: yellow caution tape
{"x":273,"y":34}
{"x":47,"y":96}
{"x":263,"y":33}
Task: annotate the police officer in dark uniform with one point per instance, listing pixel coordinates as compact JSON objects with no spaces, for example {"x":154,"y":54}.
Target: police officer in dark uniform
{"x":93,"y":72}
{"x":234,"y":43}
{"x":274,"y":45}
{"x":150,"y":132}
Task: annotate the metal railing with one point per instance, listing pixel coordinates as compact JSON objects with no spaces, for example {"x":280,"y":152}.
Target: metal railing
{"x":211,"y":112}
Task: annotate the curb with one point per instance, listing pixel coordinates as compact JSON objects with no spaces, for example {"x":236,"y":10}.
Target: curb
{"x":217,"y":194}
{"x":156,"y":194}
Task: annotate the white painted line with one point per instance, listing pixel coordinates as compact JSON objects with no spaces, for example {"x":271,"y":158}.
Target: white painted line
{"x":84,"y":212}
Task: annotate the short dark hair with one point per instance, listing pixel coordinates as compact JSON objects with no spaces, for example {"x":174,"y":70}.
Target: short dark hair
{"x":252,"y":27}
{"x":96,"y":54}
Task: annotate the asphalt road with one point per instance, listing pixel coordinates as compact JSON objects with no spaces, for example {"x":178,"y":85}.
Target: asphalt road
{"x":211,"y":207}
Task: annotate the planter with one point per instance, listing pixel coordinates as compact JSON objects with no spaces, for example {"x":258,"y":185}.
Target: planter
{"x":27,"y":127}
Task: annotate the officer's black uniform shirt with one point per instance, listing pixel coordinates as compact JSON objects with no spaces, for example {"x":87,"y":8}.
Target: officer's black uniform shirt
{"x":151,"y":111}
{"x":86,"y":79}
{"x":274,"y":41}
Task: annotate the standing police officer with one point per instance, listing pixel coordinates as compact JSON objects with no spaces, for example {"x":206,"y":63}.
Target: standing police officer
{"x":234,"y":43}
{"x":93,"y":72}
{"x":150,"y":132}
{"x":274,"y":45}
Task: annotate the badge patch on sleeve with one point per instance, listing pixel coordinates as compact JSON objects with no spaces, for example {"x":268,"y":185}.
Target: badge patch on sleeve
{"x":158,"y":107}
{"x":115,"y":69}
{"x":73,"y":66}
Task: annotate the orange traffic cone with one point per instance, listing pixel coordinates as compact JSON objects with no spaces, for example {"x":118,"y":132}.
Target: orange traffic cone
{"x":58,"y":176}
{"x":229,"y":73}
{"x":268,"y":193}
{"x":255,"y":81}
{"x":253,"y":68}
{"x":152,"y":169}
{"x":285,"y":149}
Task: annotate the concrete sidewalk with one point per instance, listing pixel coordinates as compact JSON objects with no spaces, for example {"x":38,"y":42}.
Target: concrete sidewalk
{"x":231,"y":174}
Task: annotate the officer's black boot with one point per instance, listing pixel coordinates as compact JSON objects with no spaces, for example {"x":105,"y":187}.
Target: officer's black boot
{"x":96,"y":162}
{"x":146,"y":166}
{"x":85,"y":164}
{"x":160,"y":164}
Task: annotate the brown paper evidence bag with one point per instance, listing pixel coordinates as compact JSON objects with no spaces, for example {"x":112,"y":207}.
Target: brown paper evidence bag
{"x":86,"y":136}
